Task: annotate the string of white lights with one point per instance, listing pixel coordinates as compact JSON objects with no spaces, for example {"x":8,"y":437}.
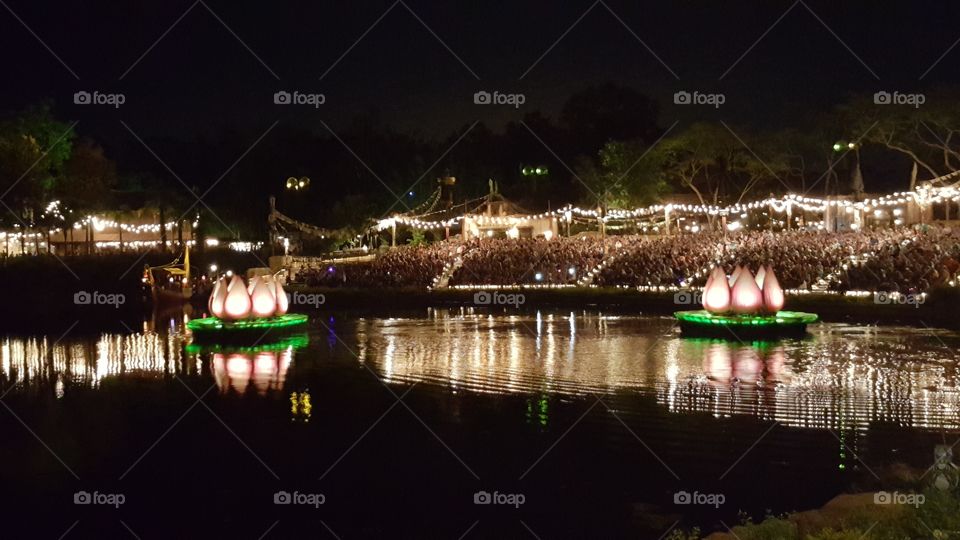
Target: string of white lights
{"x":923,"y":195}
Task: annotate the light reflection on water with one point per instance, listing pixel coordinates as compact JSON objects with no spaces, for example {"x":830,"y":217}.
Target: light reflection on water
{"x":38,"y":361}
{"x":841,"y":377}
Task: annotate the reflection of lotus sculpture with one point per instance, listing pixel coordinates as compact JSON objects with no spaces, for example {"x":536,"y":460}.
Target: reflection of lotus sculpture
{"x":725,"y":363}
{"x":743,"y":306}
{"x":246,"y":311}
{"x":265,"y":369}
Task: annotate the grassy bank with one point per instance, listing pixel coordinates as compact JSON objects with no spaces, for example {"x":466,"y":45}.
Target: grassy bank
{"x":931,"y":514}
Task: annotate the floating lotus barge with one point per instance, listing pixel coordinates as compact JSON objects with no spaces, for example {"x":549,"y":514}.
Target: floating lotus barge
{"x":744,"y":307}
{"x":251,"y":313}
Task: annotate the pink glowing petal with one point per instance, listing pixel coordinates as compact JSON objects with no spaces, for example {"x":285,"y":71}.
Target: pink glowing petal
{"x":703,"y":297}
{"x":760,"y":275}
{"x":218,"y":297}
{"x":237,"y":304}
{"x":716,"y":298}
{"x":745,"y":296}
{"x":733,"y":277}
{"x":252,"y":284}
{"x":213,"y":294}
{"x":216,"y":287}
{"x":263,"y":302}
{"x":283,"y":303}
{"x":772,"y":293}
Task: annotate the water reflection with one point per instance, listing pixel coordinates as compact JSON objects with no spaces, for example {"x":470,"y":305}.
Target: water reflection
{"x":38,"y":361}
{"x":258,"y":371}
{"x":34,"y":362}
{"x":842,"y":377}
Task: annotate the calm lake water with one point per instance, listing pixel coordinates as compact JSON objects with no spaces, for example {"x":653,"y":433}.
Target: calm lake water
{"x":594,"y":421}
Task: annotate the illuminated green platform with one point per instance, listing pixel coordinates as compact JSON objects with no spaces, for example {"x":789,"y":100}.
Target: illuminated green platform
{"x":214,"y":330}
{"x":295,"y":340}
{"x":702,"y":323}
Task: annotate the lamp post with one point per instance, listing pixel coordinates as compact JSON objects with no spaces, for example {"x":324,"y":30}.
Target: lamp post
{"x":856,"y":177}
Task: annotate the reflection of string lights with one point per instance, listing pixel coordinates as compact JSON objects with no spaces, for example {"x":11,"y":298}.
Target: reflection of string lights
{"x":827,"y":383}
{"x":25,"y":360}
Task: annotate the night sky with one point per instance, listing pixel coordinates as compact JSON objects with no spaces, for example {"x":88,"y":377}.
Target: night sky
{"x":194,"y":69}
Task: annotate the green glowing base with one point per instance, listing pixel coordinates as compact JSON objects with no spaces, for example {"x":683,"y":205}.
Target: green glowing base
{"x":297,"y":341}
{"x":212,"y":329}
{"x":743,"y":327}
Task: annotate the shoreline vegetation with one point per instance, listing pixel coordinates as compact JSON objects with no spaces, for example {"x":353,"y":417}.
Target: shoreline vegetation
{"x":852,"y":516}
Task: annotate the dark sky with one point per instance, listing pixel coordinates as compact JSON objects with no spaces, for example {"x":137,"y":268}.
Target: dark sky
{"x":200,"y":78}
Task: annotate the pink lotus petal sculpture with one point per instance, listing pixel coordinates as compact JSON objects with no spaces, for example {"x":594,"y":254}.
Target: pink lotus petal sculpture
{"x":237,"y":305}
{"x":217,"y":298}
{"x":703,"y":296}
{"x":734,"y":275}
{"x":745,"y":296}
{"x":772,"y":293}
{"x":283,"y":303}
{"x":263,"y":297}
{"x":761,"y":273}
{"x":716,"y":296}
{"x":263,"y":302}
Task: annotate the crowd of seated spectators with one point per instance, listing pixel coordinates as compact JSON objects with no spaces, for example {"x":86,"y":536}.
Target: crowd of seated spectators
{"x":527,"y":261}
{"x":904,"y":259}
